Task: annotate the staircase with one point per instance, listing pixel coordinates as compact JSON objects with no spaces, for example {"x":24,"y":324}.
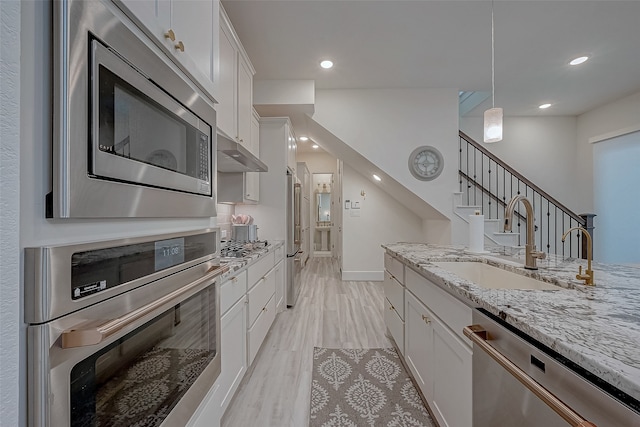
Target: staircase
{"x":487,"y":184}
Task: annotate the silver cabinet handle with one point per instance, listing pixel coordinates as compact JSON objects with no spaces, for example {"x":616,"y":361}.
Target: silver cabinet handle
{"x":426,"y":319}
{"x":479,"y":336}
{"x":83,"y":336}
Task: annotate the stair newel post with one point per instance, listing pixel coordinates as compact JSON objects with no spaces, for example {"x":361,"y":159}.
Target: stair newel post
{"x":588,"y":225}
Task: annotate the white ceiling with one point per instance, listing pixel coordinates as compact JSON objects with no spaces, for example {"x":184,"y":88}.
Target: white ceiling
{"x":447,"y":44}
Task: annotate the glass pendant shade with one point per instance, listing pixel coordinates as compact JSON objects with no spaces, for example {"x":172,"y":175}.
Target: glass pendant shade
{"x":493,"y":125}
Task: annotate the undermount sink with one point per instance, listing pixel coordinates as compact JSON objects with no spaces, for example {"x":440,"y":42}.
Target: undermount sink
{"x":491,"y":277}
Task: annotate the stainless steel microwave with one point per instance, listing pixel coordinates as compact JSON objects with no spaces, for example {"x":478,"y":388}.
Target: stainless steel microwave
{"x":132,"y":136}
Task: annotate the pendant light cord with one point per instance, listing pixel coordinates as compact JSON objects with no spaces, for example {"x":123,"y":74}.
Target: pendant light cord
{"x":493,"y":77}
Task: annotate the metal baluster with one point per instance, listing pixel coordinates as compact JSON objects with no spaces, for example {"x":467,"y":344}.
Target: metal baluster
{"x":570,"y":240}
{"x":489,"y":180}
{"x":504,"y":186}
{"x":475,"y":177}
{"x":548,"y":227}
{"x":482,"y":181}
{"x":555,"y":227}
{"x":460,"y":160}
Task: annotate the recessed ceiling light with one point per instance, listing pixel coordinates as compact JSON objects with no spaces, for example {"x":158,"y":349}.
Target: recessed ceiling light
{"x":544,"y":106}
{"x":376,"y":177}
{"x":578,"y":60}
{"x":314,"y":146}
{"x":303,"y":138}
{"x":326,"y":64}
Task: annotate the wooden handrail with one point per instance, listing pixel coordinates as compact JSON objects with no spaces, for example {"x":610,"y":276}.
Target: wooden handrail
{"x":515,"y":173}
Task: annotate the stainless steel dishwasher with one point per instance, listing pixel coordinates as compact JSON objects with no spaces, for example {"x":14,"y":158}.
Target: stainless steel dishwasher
{"x":508,"y":365}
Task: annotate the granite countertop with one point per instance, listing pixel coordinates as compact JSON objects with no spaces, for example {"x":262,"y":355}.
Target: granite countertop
{"x":597,"y":327}
{"x":236,"y":264}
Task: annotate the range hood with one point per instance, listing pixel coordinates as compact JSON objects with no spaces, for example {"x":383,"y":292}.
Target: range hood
{"x":233,"y":157}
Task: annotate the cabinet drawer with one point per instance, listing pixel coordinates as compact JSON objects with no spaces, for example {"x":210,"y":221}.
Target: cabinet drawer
{"x":394,"y":292}
{"x":260,"y":294}
{"x":394,"y":324}
{"x":279,"y":253}
{"x":454,"y":313}
{"x":232,"y":290}
{"x":260,"y":268}
{"x":259,"y":330}
{"x":395,"y":267}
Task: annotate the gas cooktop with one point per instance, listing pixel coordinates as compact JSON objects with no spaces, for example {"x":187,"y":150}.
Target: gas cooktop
{"x":235,"y":249}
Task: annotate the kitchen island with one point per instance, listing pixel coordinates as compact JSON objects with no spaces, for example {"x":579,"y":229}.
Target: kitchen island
{"x":598,"y":328}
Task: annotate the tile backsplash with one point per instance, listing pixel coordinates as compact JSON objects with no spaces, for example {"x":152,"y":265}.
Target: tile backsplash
{"x":224,"y":217}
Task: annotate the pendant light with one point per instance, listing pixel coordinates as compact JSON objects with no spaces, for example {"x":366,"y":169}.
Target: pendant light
{"x":493,"y":116}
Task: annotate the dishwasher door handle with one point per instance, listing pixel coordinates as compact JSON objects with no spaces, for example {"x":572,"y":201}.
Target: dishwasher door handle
{"x":479,"y":336}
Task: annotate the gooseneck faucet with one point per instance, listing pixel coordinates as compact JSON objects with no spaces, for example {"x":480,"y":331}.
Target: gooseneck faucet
{"x":530,"y":247}
{"x":588,"y":276}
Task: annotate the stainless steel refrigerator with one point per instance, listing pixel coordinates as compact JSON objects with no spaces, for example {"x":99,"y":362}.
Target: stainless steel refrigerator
{"x":294,"y":259}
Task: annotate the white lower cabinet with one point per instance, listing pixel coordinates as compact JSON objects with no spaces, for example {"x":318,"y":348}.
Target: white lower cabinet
{"x":279,"y":286}
{"x":440,"y":362}
{"x":395,"y":324}
{"x":451,"y":401}
{"x":233,"y":330}
{"x":248,"y":307}
{"x":260,"y":328}
{"x":418,"y":338}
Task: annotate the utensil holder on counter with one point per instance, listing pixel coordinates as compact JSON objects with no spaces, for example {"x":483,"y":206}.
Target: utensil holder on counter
{"x":244,"y":232}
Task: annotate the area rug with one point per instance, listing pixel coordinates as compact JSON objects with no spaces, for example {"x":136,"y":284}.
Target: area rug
{"x":363,"y":387}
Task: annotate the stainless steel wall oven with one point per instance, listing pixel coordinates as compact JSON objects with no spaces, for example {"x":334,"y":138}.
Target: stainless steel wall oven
{"x":132,"y":136}
{"x":122,"y":332}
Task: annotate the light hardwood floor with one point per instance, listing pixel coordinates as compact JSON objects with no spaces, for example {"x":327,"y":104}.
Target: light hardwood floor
{"x":329,"y":313}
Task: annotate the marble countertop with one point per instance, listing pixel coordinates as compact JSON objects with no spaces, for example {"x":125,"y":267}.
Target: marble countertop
{"x":236,"y":264}
{"x":597,"y":327}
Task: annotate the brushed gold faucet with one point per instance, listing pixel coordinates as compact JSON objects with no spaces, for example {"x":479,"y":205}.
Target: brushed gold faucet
{"x":531,"y":255}
{"x":588,"y":276}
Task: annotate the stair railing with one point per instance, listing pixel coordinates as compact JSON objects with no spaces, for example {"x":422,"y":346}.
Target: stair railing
{"x":489,"y":183}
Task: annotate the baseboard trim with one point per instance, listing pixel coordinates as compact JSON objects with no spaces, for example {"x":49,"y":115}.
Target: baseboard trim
{"x":363,"y":276}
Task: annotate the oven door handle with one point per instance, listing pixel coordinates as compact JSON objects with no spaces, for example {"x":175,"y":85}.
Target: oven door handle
{"x":479,"y":336}
{"x":90,"y":334}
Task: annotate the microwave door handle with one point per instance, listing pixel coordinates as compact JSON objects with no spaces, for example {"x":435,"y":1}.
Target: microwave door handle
{"x":480,"y":337}
{"x":95,"y":332}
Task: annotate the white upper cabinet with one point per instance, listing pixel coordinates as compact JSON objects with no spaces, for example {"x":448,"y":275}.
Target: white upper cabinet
{"x":235,"y":102}
{"x":186,"y":31}
{"x":292,"y":149}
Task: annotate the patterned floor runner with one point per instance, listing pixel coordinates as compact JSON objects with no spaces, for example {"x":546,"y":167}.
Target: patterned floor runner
{"x":363,"y":387}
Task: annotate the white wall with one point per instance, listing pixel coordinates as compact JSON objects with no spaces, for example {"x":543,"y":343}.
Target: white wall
{"x":318,"y":162}
{"x":10,"y":303}
{"x":386,"y":125}
{"x":611,"y":120}
{"x":381,"y":220}
{"x":540,"y":148}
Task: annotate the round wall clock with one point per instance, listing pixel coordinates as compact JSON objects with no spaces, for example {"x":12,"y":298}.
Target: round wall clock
{"x":426,"y":163}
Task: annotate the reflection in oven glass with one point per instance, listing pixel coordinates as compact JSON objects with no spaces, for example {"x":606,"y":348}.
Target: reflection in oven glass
{"x":137,"y":380}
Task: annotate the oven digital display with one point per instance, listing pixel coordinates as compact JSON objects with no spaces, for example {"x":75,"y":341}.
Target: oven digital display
{"x":169,"y":253}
